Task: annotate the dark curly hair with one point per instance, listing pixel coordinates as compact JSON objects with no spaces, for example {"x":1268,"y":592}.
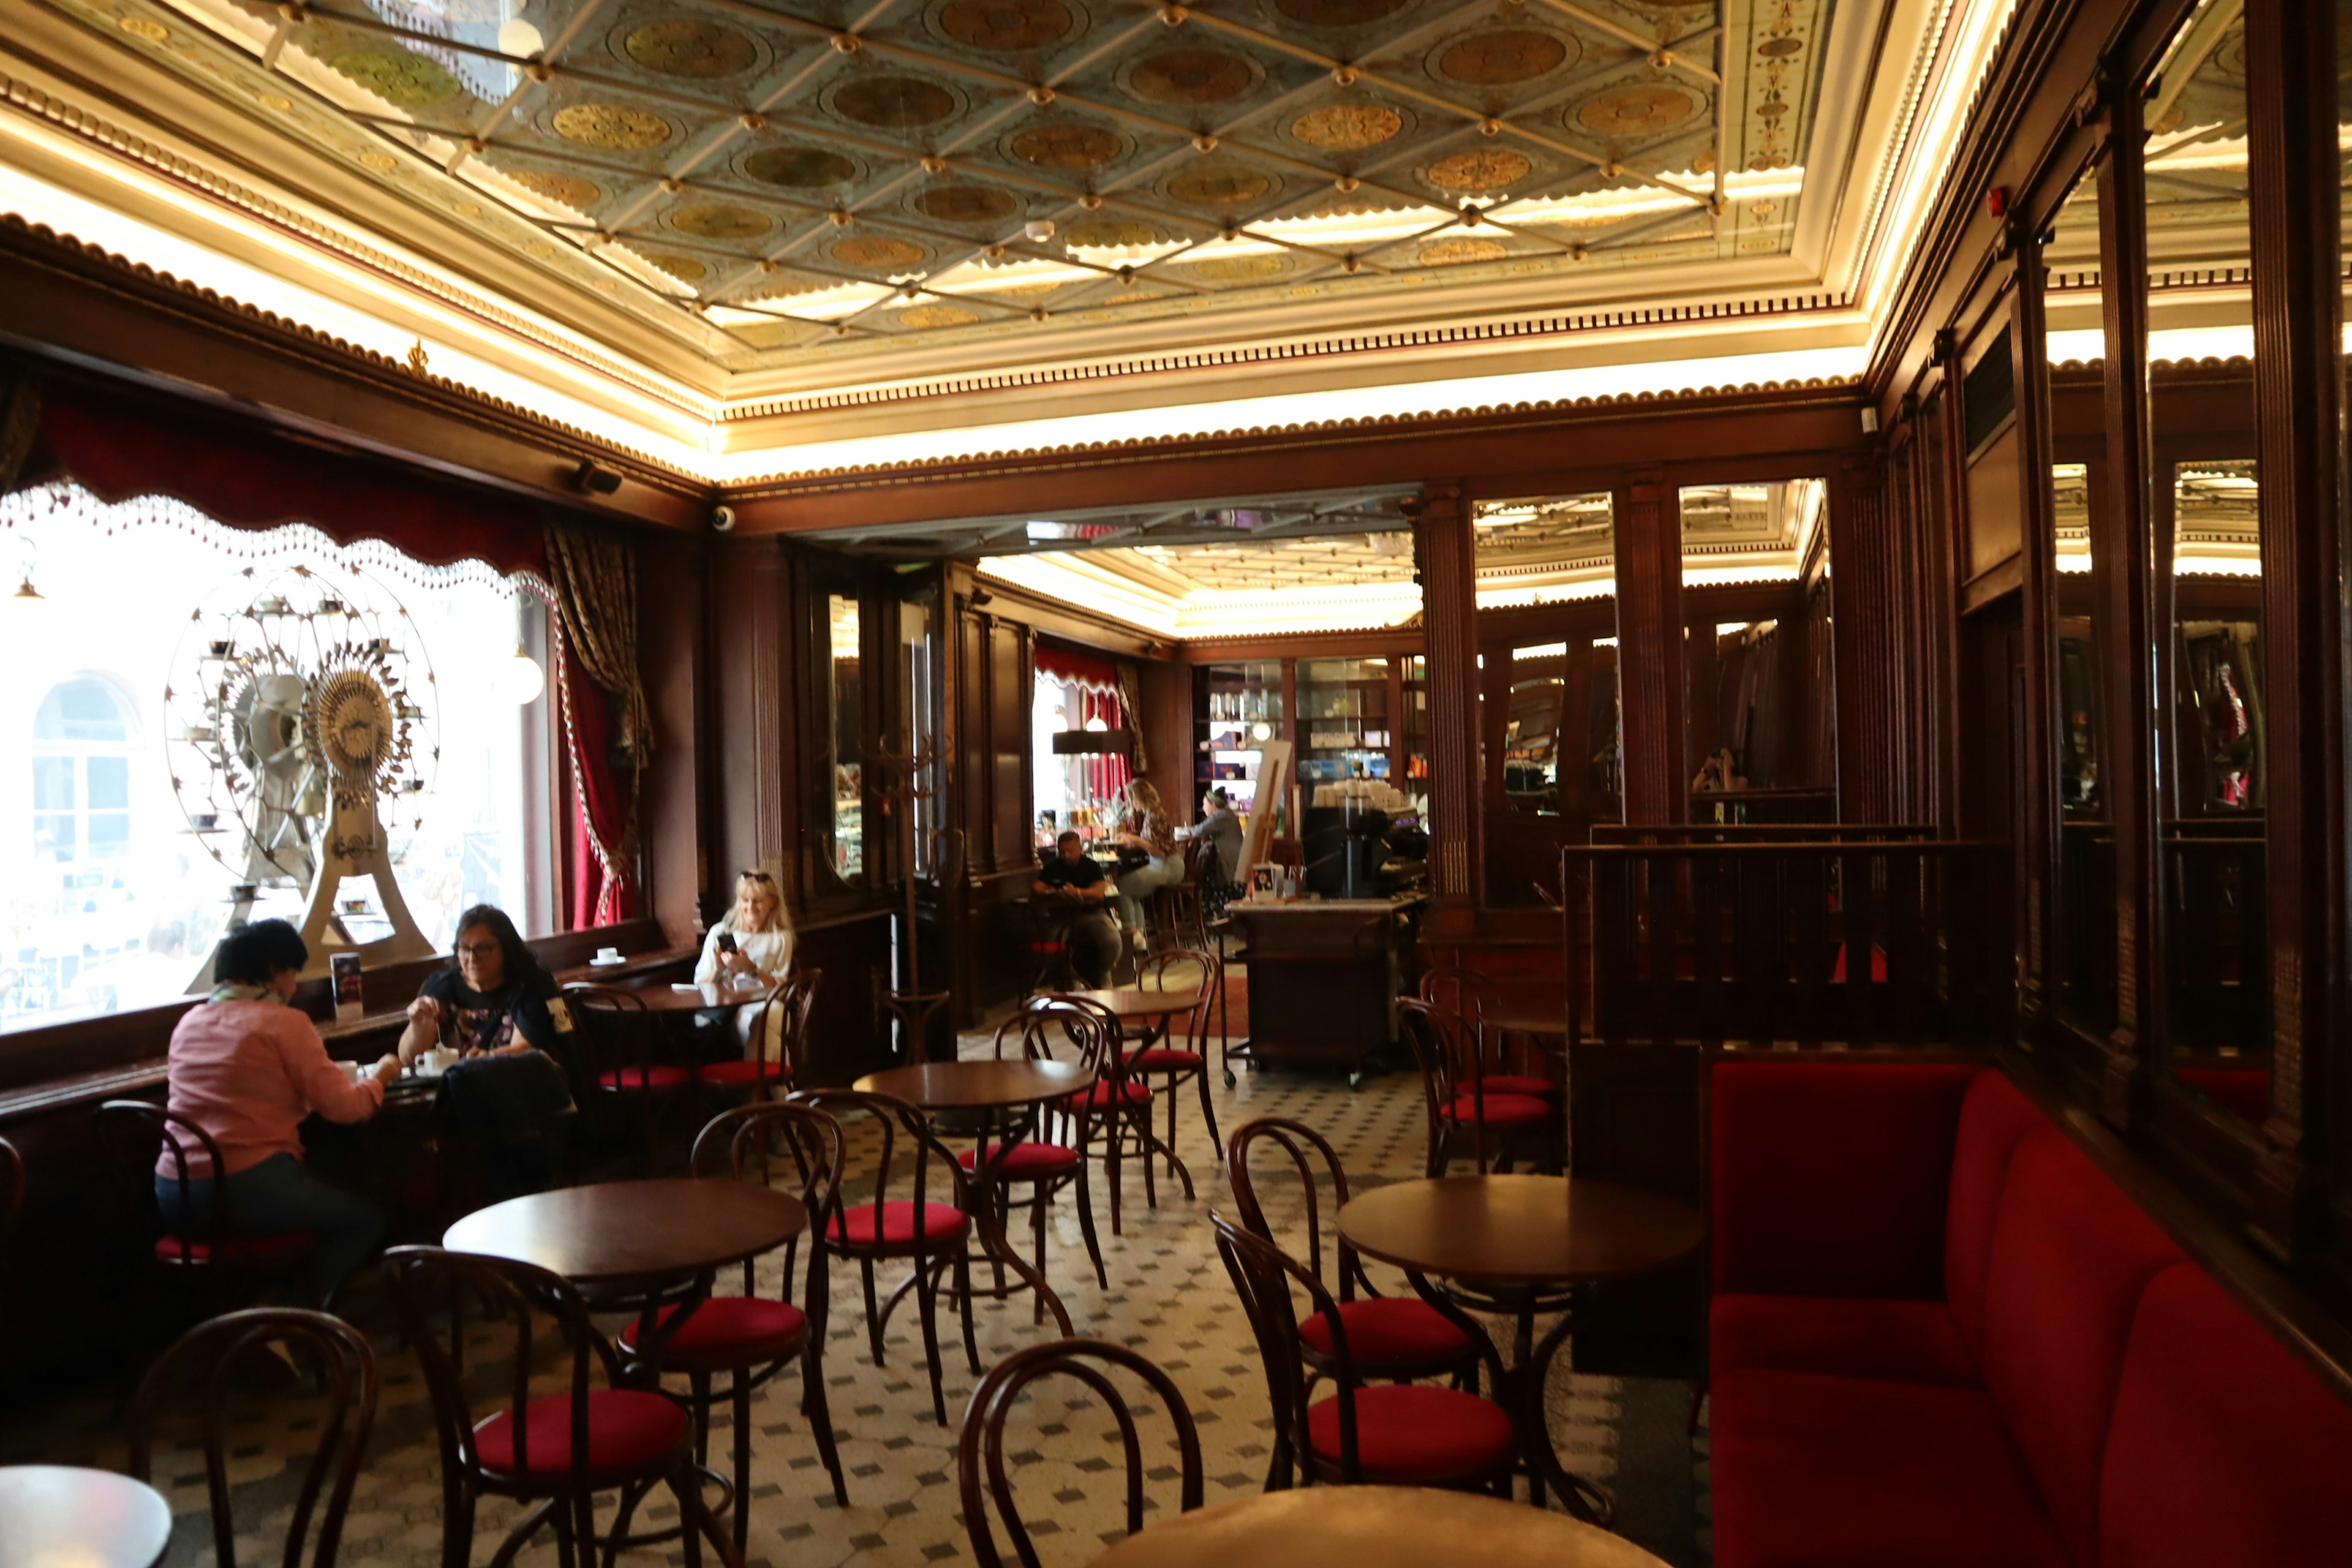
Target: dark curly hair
{"x":522,"y":963}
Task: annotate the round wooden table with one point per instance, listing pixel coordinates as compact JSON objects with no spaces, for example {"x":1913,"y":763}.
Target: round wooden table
{"x":625,"y":1234}
{"x":1536,"y":1021}
{"x":671,"y":998}
{"x":987,"y":1084}
{"x":1374,"y":1527}
{"x":58,"y":1516}
{"x":1518,"y":1238}
{"x":1142,"y":1003}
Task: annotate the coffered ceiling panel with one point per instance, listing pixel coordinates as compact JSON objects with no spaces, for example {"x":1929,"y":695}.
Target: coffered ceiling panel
{"x":820,"y":183}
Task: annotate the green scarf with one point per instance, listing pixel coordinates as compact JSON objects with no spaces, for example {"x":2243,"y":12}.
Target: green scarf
{"x":234,"y":993}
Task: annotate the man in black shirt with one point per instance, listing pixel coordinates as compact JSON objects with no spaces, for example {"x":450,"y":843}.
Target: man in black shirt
{"x":1071,"y":882}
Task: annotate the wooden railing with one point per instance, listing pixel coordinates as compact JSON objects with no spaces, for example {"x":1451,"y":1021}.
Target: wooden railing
{"x":1896,"y":941}
{"x":1763,"y":832}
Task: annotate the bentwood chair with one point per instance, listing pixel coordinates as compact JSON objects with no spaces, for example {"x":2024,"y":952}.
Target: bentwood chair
{"x":1470,"y":993}
{"x":749,"y":1339}
{"x":1182,"y":1055}
{"x":784,"y":1014}
{"x":1404,"y":1434}
{"x":981,"y":1471}
{"x":212,"y":1249}
{"x":933,"y":1236}
{"x":554,"y":1451}
{"x":1401,"y":1338}
{"x":1051,"y":1158}
{"x":1119,"y":1108}
{"x":209,"y":1357}
{"x":623,"y":1038}
{"x":1463,"y":1102}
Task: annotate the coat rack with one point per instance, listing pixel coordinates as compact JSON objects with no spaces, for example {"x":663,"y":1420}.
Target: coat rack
{"x":892,"y":774}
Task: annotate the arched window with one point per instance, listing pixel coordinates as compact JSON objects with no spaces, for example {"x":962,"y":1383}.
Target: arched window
{"x":81,"y":773}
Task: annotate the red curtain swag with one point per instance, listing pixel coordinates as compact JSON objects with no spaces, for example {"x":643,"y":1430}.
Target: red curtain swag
{"x":1088,"y":671}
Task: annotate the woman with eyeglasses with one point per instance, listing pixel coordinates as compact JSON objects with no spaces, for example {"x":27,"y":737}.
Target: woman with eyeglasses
{"x":752,"y":946}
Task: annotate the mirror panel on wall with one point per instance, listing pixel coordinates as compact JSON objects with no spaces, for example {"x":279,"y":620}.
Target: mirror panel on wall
{"x":845,"y":815}
{"x":2215,"y":700}
{"x":921,"y":697}
{"x":1760,"y":687}
{"x":1550,"y":740}
{"x":2083,"y":947}
{"x":2213,"y":850}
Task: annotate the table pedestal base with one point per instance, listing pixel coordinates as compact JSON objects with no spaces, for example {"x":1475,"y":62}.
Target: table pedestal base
{"x":1525,"y":1374}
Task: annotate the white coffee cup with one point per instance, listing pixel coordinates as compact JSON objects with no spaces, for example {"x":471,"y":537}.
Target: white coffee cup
{"x":608,"y":955}
{"x":350,"y":1072}
{"x":434,"y":1062}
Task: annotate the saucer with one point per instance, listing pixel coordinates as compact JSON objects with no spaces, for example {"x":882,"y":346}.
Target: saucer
{"x":612,"y":963}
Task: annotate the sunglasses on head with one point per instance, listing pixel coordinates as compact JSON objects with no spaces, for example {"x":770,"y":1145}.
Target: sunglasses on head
{"x":757,"y":877}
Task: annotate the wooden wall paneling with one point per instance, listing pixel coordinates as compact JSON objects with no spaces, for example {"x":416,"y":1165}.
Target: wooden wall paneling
{"x":1871,"y":731}
{"x":756,"y":811}
{"x":2133,"y":639}
{"x":1943,"y":429}
{"x":1445,"y":561}
{"x":673,"y":620}
{"x":1702,"y":690}
{"x":1011,"y":679}
{"x":1165,"y":689}
{"x":1649,"y":648}
{"x":2294,"y":160}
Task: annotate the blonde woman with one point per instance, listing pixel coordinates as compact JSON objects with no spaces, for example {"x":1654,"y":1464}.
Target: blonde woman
{"x":1149,"y":829}
{"x":751,"y":946}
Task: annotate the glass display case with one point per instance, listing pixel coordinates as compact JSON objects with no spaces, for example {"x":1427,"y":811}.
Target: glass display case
{"x":1237,"y":708}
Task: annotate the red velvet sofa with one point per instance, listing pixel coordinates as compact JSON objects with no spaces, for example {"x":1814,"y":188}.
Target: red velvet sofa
{"x":1941,"y":1336}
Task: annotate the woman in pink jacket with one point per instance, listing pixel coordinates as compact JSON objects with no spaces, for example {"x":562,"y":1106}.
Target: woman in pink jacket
{"x":247,"y":1068}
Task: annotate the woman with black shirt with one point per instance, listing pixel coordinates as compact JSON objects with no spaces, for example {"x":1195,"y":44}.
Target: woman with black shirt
{"x":494,"y":1001}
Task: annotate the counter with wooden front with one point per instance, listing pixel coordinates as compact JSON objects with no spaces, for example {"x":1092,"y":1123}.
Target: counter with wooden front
{"x":1324,"y":976}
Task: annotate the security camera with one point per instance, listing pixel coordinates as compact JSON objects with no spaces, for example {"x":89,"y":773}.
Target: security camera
{"x":722,"y":517}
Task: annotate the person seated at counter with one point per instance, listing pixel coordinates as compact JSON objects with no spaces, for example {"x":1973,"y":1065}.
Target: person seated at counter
{"x":494,"y":999}
{"x":1073,"y":881}
{"x":1222,"y":830}
{"x":247,"y":1067}
{"x":1148,"y":832}
{"x":750,"y":947}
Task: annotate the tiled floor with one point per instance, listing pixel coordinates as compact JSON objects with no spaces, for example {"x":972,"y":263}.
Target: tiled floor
{"x":1168,"y":1297}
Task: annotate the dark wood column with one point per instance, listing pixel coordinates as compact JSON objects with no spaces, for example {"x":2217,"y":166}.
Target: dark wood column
{"x":1445,"y":557}
{"x":1702,"y":691}
{"x":2126,"y":554}
{"x":1873,"y":737}
{"x":2037,"y":830}
{"x":1649,"y":648}
{"x":2298,"y":400}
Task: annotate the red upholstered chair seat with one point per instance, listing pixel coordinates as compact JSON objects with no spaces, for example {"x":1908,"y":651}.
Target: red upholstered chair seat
{"x":1519,"y":1083}
{"x":1842,"y":1473}
{"x":244,"y":1249}
{"x":632,"y":1078}
{"x":1134,"y":1094}
{"x":1839,"y":1336}
{"x":747,"y":1071}
{"x":1163,"y":1058}
{"x":1388,"y":1330}
{"x":1500,"y":1111}
{"x":728,"y":1326}
{"x":1028,"y":1162}
{"x":1411,"y":1432}
{"x":894,"y":1224}
{"x":627,"y":1428}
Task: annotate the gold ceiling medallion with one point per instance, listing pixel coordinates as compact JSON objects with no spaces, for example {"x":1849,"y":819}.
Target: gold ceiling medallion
{"x":1338,"y":13}
{"x":1346,"y":127}
{"x":1070,"y":144}
{"x":681,"y":46}
{"x":1779,"y":48}
{"x":1469,"y":173}
{"x":684,"y":268}
{"x":1500,"y":58}
{"x":1239,"y":268}
{"x":614,"y":127}
{"x":868,"y":250}
{"x":571,"y":190}
{"x":1190,"y":76}
{"x":894,"y":102}
{"x":1219,"y":185}
{"x":1643,"y":109}
{"x":966,"y":203}
{"x":719,"y":221}
{"x":798,"y":168}
{"x":1007,"y":24}
{"x":398,"y":76}
{"x":1457,"y":252}
{"x":928,"y":316}
{"x":1110,"y":234}
{"x":382,"y":162}
{"x":141,"y":28}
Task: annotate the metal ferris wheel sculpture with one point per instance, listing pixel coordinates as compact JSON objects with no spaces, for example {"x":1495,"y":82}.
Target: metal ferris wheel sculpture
{"x":299,"y":719}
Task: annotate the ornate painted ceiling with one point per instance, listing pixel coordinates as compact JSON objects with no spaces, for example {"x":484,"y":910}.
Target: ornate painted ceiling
{"x":816,"y":182}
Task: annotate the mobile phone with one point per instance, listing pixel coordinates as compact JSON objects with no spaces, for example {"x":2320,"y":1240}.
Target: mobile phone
{"x":726,"y":942}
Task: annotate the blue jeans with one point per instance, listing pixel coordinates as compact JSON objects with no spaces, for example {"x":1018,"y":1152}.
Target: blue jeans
{"x":279,"y":1195}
